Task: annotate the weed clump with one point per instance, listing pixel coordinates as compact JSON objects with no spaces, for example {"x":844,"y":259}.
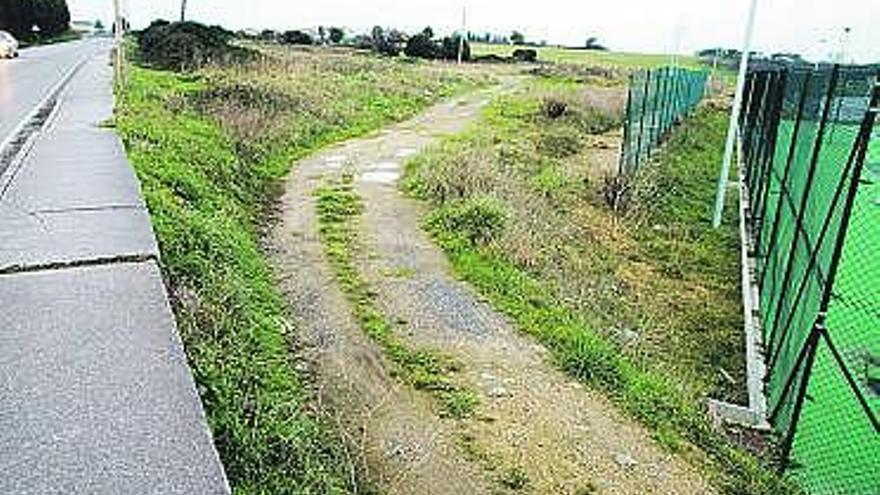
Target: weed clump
{"x":553,"y":108}
{"x":480,"y":220}
{"x":185,"y":46}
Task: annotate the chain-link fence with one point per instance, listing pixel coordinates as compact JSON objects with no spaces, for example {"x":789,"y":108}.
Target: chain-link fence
{"x":812,"y":171}
{"x":658,"y":99}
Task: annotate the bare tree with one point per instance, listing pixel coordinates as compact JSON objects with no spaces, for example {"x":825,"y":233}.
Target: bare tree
{"x":182,"y":10}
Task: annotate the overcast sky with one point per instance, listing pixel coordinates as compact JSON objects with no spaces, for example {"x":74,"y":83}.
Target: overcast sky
{"x":810,"y":27}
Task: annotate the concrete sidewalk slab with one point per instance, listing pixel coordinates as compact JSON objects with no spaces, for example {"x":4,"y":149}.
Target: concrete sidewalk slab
{"x":53,"y":238}
{"x":75,"y":198}
{"x":96,"y":395}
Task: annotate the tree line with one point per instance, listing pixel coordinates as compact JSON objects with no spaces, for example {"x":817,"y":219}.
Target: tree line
{"x":28,"y":19}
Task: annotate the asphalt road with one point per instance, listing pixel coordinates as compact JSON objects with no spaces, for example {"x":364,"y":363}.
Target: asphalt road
{"x":25,"y":81}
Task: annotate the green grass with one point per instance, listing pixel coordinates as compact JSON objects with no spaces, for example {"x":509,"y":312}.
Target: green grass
{"x":209,"y":149}
{"x":338,"y":209}
{"x":621,"y":60}
{"x":570,"y":273}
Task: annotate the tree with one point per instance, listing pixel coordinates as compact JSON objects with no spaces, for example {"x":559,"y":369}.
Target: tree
{"x":421,"y":46}
{"x":336,"y":35}
{"x":517,"y":38}
{"x":593,"y":44}
{"x":99,"y":26}
{"x":382,"y":42}
{"x":296,"y":37}
{"x":322,"y":35}
{"x":182,"y":10}
{"x":51,"y":16}
{"x":20,"y":17}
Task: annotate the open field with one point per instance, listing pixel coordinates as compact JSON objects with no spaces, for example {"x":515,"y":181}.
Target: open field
{"x":640,"y":307}
{"x":620,"y":60}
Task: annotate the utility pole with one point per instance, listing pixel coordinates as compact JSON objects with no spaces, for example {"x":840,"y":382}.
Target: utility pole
{"x":462,"y":34}
{"x":182,"y":10}
{"x":734,"y":116}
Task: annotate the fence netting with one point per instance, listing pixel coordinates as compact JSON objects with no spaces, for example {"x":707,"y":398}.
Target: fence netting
{"x":811,"y":152}
{"x":658,"y":99}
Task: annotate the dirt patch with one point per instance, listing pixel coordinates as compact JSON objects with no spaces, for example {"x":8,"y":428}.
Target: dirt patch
{"x":535,"y":431}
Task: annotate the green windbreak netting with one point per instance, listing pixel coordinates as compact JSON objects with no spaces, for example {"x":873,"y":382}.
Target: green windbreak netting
{"x":658,"y":99}
{"x":812,"y":172}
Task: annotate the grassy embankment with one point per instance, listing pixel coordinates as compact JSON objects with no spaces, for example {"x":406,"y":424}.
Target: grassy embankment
{"x":641,"y":305}
{"x":210,"y":149}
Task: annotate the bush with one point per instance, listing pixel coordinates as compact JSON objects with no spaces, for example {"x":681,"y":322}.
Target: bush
{"x":421,"y":46}
{"x":553,"y":108}
{"x":297,"y":38}
{"x":525,"y":55}
{"x":184,"y":46}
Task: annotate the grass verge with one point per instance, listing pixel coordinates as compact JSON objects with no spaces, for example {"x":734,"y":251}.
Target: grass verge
{"x":338,"y":209}
{"x":536,"y":248}
{"x":209,"y":149}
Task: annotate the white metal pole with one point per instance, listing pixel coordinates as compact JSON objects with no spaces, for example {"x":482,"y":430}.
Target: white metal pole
{"x":462,"y":34}
{"x":734,"y":116}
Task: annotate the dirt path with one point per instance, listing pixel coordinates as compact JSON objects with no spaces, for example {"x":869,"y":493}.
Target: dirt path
{"x":534,"y":426}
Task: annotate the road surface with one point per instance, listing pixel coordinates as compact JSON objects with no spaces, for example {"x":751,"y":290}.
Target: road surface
{"x":25,"y":81}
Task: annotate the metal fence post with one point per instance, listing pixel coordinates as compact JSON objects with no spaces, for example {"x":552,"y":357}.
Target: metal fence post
{"x":626,"y":148}
{"x":642,"y":117}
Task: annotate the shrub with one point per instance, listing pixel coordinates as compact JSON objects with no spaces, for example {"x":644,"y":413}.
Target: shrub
{"x":421,"y":46}
{"x":297,"y":38}
{"x":528,"y":55}
{"x":478,"y":220}
{"x":183,"y":46}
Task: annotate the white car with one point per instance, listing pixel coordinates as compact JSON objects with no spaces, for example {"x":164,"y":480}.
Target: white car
{"x":8,"y":45}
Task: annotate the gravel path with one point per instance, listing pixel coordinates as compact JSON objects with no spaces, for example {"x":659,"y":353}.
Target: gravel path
{"x":533,"y":420}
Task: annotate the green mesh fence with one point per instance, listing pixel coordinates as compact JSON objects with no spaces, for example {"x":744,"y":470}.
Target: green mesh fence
{"x":658,"y":99}
{"x":812,"y":170}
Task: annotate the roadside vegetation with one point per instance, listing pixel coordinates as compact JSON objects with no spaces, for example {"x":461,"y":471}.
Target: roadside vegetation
{"x":210,"y":146}
{"x":641,"y":302}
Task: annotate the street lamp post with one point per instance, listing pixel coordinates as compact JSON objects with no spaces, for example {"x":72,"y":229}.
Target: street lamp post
{"x":734,"y":117}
